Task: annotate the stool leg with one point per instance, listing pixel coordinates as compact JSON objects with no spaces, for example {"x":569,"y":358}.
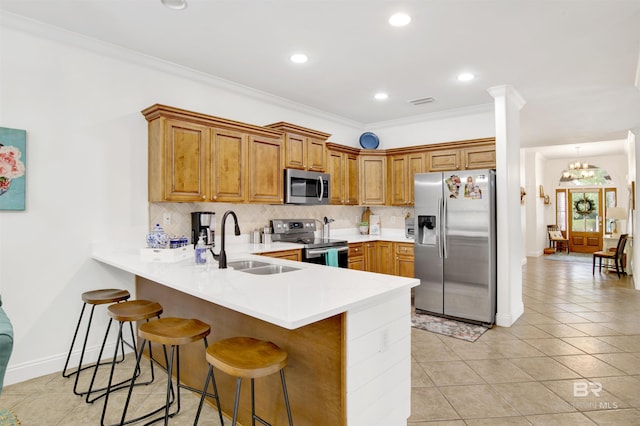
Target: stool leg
{"x":113,"y":364}
{"x":212,"y":377}
{"x":235,"y":404}
{"x":286,"y":397}
{"x":253,"y":404}
{"x":73,"y":342}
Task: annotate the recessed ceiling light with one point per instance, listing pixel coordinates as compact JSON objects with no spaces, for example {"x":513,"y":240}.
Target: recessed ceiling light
{"x":175,"y":4}
{"x":299,"y":58}
{"x":400,"y":19}
{"x":381,"y":96}
{"x":467,"y":76}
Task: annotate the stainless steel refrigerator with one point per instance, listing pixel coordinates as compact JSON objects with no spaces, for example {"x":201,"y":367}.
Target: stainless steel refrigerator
{"x":455,"y":244}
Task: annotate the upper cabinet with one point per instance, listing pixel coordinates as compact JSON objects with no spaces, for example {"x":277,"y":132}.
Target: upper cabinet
{"x":401,"y":169}
{"x":373,"y":177}
{"x":342,"y":166}
{"x":196,"y":157}
{"x":463,"y":155}
{"x":304,"y":148}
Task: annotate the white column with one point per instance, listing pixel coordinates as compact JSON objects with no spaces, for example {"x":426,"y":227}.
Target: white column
{"x":508,"y":103}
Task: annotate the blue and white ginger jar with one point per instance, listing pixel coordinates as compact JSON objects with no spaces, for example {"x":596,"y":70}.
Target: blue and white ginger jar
{"x":157,"y":238}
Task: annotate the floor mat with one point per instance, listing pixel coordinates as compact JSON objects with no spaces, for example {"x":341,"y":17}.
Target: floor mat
{"x":571,"y":257}
{"x":448,"y":327}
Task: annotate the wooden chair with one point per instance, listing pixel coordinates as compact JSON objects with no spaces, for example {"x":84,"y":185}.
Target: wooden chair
{"x":616,"y":256}
{"x":556,"y":239}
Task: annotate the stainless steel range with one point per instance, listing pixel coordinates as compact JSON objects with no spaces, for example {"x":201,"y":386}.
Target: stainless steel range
{"x":315,"y":250}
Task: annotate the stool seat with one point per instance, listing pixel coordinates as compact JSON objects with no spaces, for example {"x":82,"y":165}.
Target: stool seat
{"x":105,"y":295}
{"x":134,"y":310}
{"x":174,"y":331}
{"x":246,"y":357}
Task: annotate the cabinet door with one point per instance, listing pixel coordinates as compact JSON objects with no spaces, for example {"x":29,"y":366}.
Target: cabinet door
{"x":397,"y":180}
{"x":386,"y":264}
{"x":186,"y":162}
{"x":229,"y":166}
{"x":351,"y":182}
{"x":357,"y":264}
{"x":370,"y":257}
{"x":415,"y":164}
{"x":316,"y":155}
{"x":296,"y":152}
{"x":335,"y":168}
{"x":483,"y":157}
{"x":373,"y":178}
{"x":404,"y":265}
{"x":444,"y":160}
{"x":266,"y":161}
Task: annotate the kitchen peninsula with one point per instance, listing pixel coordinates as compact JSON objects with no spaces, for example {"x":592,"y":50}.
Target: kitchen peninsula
{"x":347,"y":332}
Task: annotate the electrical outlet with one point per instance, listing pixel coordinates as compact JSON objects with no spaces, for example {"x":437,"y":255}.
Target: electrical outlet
{"x":357,"y":219}
{"x":166,"y":219}
{"x":393,"y":219}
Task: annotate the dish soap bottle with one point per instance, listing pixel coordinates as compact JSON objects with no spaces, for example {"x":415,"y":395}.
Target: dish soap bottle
{"x":201,"y":251}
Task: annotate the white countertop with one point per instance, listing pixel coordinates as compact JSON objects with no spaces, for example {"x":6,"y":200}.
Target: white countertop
{"x":290,"y":300}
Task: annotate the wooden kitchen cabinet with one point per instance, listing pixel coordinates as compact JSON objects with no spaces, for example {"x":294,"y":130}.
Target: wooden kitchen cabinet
{"x":467,"y":155}
{"x":228,"y":166}
{"x":401,"y":169}
{"x":265,"y":170}
{"x":378,"y":257}
{"x":178,"y":161}
{"x":195,"y":157}
{"x":404,"y":260}
{"x":373,"y":178}
{"x":294,"y":254}
{"x":342,"y":166}
{"x":356,"y":256}
{"x":304,"y":148}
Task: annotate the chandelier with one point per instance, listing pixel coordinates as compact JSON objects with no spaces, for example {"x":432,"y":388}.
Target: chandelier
{"x":577,"y":169}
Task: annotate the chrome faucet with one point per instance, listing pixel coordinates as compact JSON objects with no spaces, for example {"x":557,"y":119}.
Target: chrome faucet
{"x":222,"y":256}
{"x":326,"y":228}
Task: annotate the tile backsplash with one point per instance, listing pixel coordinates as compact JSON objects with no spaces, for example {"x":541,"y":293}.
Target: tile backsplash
{"x":257,"y":216}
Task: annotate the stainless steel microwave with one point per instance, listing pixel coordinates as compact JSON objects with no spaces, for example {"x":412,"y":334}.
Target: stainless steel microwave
{"x":303,"y":187}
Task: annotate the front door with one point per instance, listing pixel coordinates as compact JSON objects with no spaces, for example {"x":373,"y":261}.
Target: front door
{"x":585,"y":220}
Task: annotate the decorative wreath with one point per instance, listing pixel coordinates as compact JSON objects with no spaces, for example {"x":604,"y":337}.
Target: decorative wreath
{"x":583,"y":207}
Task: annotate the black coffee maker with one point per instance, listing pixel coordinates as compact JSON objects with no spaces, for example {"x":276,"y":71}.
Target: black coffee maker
{"x":203,"y":223}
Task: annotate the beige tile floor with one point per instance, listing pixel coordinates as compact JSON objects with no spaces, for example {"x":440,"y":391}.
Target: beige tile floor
{"x":579,"y":335}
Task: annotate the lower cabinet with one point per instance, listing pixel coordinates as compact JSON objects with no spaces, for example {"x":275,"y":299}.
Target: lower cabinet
{"x":384,"y":257}
{"x":404,"y":260}
{"x":356,"y":256}
{"x":285,"y":254}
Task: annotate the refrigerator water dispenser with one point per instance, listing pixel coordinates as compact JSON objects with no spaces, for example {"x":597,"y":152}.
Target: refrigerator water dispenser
{"x":427,"y":230}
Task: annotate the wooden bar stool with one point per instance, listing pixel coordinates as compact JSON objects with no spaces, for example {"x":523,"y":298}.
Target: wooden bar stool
{"x":125,"y":312}
{"x":245,"y":357}
{"x":171,"y":332}
{"x":93,"y":298}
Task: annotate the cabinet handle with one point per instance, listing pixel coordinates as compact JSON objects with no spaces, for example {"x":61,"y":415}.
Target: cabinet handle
{"x":215,"y":197}
{"x":204,"y":197}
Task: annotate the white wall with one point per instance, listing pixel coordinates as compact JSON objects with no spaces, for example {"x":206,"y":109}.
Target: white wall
{"x":87,"y":172}
{"x":435,"y":128}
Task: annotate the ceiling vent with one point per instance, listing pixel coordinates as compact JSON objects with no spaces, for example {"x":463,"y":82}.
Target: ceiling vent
{"x":421,"y":101}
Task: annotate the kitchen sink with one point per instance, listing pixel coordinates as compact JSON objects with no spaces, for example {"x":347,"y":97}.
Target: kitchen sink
{"x":269,"y":270}
{"x":258,"y":267}
{"x":240,"y":265}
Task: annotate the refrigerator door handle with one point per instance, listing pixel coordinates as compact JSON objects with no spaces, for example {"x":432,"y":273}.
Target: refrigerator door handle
{"x":439,"y":229}
{"x":444,"y":228}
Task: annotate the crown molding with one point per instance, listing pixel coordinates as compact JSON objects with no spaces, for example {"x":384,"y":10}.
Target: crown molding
{"x":51,"y":32}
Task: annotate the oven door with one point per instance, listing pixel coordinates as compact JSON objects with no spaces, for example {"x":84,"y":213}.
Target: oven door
{"x":319,"y":255}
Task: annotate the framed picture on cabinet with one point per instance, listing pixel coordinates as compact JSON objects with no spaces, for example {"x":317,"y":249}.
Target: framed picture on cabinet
{"x":13,"y":147}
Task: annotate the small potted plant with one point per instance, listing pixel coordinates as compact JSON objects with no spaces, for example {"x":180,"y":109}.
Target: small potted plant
{"x":364,"y":228}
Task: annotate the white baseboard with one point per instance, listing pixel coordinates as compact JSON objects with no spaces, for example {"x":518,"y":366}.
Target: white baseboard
{"x":44,"y":366}
{"x":507,"y":320}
